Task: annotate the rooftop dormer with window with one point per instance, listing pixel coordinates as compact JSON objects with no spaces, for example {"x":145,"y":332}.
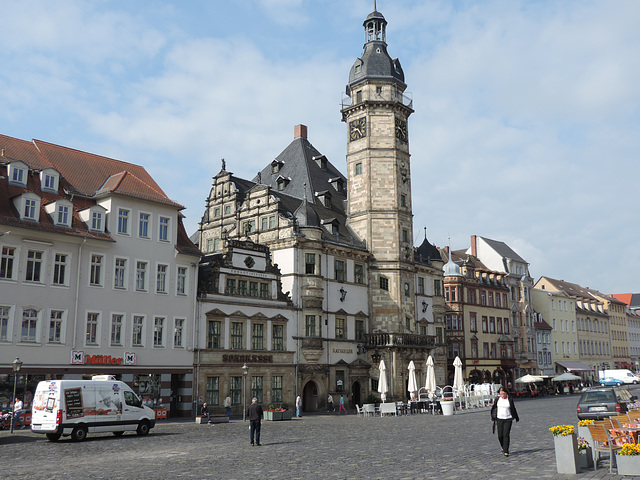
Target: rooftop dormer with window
{"x":49,"y":180}
{"x":61,"y":212}
{"x":325,"y":198}
{"x":18,"y":173}
{"x":338,"y":184}
{"x":276,"y":165}
{"x":94,"y":217}
{"x":28,"y":205}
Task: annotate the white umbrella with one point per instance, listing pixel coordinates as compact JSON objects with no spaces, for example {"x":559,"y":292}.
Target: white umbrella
{"x":413,"y":383}
{"x":529,"y":379}
{"x":430,"y":384}
{"x":565,"y":377}
{"x":458,"y":382}
{"x":382,"y":383}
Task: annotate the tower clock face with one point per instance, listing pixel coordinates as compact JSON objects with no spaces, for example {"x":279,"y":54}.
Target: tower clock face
{"x":357,"y":128}
{"x":401,"y":130}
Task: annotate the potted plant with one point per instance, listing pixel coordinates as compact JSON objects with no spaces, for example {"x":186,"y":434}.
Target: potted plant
{"x":584,"y":451}
{"x":628,"y":459}
{"x":447,"y":405}
{"x":268,"y":413}
{"x":583,"y":431}
{"x":287,"y":414}
{"x":566,"y":448}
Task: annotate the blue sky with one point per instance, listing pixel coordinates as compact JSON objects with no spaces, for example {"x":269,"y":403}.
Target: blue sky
{"x":526,"y":118}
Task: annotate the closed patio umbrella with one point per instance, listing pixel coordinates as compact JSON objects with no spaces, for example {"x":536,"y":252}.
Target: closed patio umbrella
{"x":382,"y":383}
{"x":413,"y":383}
{"x":430,"y":384}
{"x":458,"y":382}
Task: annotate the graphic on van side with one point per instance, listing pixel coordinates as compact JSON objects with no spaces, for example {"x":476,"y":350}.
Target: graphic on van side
{"x":73,"y":401}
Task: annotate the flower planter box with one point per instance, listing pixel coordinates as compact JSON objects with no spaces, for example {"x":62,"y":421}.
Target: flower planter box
{"x":628,"y":464}
{"x":567,"y":459}
{"x":287,"y":415}
{"x":447,"y":407}
{"x":273,"y":416}
{"x":586,"y":458}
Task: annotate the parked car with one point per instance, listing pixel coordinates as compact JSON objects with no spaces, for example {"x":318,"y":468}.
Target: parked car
{"x":597,"y":403}
{"x":610,"y":382}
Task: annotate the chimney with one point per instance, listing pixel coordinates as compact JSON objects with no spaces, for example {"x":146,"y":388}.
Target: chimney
{"x":300,"y":131}
{"x":474,"y":247}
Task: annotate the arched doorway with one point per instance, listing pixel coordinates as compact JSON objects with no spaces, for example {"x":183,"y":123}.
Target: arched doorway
{"x":355,"y":394}
{"x":475,"y":376}
{"x":310,"y":397}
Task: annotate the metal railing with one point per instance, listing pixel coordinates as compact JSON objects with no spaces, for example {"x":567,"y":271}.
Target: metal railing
{"x":387,"y":95}
{"x":399,"y":340}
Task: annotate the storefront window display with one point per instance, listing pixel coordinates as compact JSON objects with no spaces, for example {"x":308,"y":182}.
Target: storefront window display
{"x":148,"y":388}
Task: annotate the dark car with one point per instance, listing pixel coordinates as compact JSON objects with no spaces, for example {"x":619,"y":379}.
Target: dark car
{"x":602,"y":402}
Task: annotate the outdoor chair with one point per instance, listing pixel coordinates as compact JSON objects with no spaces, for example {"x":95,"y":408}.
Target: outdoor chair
{"x":359,"y":411}
{"x":369,"y":409}
{"x":603,"y":441}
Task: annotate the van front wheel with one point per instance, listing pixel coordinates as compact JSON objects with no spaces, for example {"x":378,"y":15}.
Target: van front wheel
{"x":79,"y":434}
{"x":143,"y":428}
{"x":54,"y":437}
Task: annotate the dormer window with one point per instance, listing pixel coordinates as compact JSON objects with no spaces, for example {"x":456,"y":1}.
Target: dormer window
{"x":96,"y":221}
{"x":338,"y":184}
{"x":282,"y":182}
{"x":276,"y":166}
{"x":49,"y":180}
{"x":325,"y":198}
{"x":332,"y":224}
{"x":28,"y":205}
{"x":94,"y":217}
{"x":60,"y":212}
{"x":18,"y":173}
{"x":321,"y":161}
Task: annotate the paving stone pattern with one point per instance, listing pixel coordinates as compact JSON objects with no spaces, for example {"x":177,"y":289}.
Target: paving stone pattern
{"x":330,"y":446}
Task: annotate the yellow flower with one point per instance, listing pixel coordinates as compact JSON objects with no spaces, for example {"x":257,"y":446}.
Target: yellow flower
{"x":630,"y":449}
{"x":584,"y":423}
{"x":563,"y":430}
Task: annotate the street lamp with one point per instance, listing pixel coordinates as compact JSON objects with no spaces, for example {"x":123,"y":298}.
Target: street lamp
{"x":17,"y":365}
{"x":245,"y":372}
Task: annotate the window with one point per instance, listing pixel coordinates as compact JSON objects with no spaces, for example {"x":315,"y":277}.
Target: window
{"x":163,"y":232}
{"x":30,"y":207}
{"x":6,"y":262}
{"x":491,"y":299}
{"x":161,"y":279}
{"x":137,"y":338}
{"x":235,"y":390}
{"x":92,"y":328}
{"x":248,"y":226}
{"x":257,"y":337}
{"x":96,"y":221}
{"x":213,"y":391}
{"x":55,"y":326}
{"x":95,"y":277}
{"x":4,"y":323}
{"x":253,"y":289}
{"x":209,"y":245}
{"x":216,"y":244}
{"x":473,"y":322}
{"x":277,"y":337}
{"x":256,"y":388}
{"x":437,"y":288}
{"x":236,"y":336}
{"x":181,"y":288}
{"x":498,"y":325}
{"x":242,"y":287}
{"x":483,"y":297}
{"x":63,"y":215}
{"x":358,"y":273}
{"x":485,"y":350}
{"x":498,"y":302}
{"x":420,"y":286}
{"x":143,"y":225}
{"x":18,"y":174}
{"x":359,"y":329}
{"x":216,"y":212}
{"x":340,"y":328}
{"x":34,"y":266}
{"x":471,"y":296}
{"x":339,"y":380}
{"x":29,"y":325}
{"x":158,"y":332}
{"x":119,"y":275}
{"x":50,"y":182}
{"x":272,"y":221}
{"x":59,"y":269}
{"x":407,"y":290}
{"x":178,"y":330}
{"x":310,"y":263}
{"x":123,"y":221}
{"x":485,"y":325}
{"x":214,"y":334}
{"x":276,"y":389}
{"x":116,"y":329}
{"x":231,"y":286}
{"x":339,"y":270}
{"x":227,"y":209}
{"x":492,"y":325}
{"x":474,"y":349}
{"x":384,"y":283}
{"x":403,"y":200}
{"x":264,"y":290}
{"x":358,"y":168}
{"x":141,"y":276}
{"x":310,"y":326}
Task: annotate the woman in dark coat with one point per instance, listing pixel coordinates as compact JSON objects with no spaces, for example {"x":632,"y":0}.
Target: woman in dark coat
{"x":503,"y":413}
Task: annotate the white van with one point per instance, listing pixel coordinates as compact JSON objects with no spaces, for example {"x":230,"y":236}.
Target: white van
{"x":622,"y":374}
{"x":78,"y":407}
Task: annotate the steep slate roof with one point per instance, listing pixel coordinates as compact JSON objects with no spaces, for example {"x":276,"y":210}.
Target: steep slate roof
{"x":503,"y":249}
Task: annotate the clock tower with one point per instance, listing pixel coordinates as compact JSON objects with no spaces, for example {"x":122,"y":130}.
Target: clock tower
{"x":376,"y":113}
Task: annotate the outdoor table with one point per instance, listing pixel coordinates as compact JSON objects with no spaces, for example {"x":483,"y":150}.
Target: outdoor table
{"x":633,"y":429}
{"x":401,"y":408}
{"x":417,"y":407}
{"x":629,"y":434}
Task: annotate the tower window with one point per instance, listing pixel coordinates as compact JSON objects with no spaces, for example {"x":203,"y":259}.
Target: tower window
{"x":358,"y":168}
{"x":403,"y":200}
{"x":384,"y":283}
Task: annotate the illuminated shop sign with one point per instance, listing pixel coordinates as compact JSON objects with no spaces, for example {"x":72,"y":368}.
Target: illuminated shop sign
{"x":80,"y":358}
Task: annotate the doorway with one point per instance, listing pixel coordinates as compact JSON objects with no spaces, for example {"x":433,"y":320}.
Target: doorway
{"x":310,"y":397}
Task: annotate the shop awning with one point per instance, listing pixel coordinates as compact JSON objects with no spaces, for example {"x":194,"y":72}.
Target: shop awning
{"x":575,"y":366}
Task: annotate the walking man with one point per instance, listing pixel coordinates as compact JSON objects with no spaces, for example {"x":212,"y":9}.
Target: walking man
{"x":330,"y":407}
{"x":299,"y":406}
{"x":254,"y":413}
{"x":17,"y":410}
{"x":227,"y":406}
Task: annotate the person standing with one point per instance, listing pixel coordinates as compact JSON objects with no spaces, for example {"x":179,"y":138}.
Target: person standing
{"x":17,"y":410}
{"x":254,"y":413}
{"x":503,"y":412}
{"x":299,"y":406}
{"x":227,"y":406}
{"x":342,"y":405}
{"x":330,"y":407}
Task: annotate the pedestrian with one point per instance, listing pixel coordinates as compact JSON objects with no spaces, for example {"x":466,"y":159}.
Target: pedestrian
{"x":503,"y":412}
{"x":227,"y":406}
{"x":330,"y":407}
{"x":342,"y":405}
{"x":17,"y":410}
{"x":205,"y":412}
{"x":298,"y":406}
{"x":254,"y":413}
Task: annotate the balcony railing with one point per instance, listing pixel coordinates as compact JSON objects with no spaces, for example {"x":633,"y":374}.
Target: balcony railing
{"x":399,"y":340}
{"x":387,"y":95}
